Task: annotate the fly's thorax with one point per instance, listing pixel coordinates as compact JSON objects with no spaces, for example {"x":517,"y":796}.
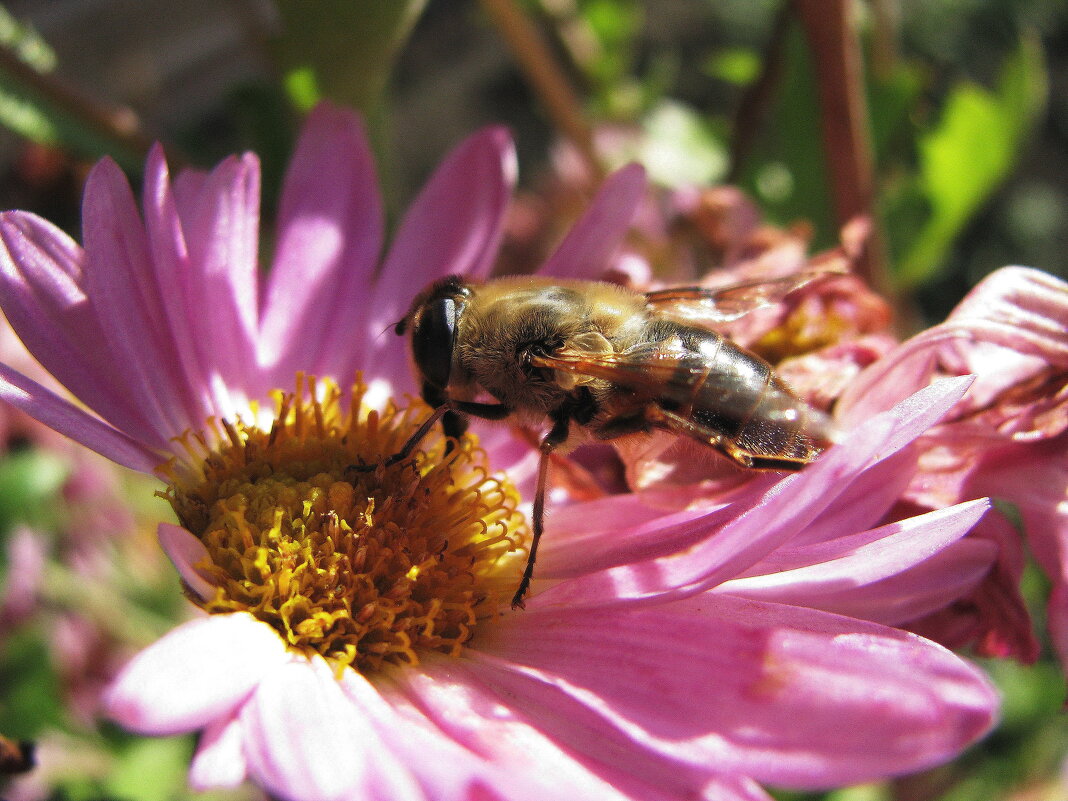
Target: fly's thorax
{"x":509,"y":319}
{"x":503,"y":323}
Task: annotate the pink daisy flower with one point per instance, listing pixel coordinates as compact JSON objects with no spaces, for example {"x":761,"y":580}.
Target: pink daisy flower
{"x":357,"y":641}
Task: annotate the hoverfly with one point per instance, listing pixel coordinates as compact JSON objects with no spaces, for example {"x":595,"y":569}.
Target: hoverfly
{"x":601,"y":361}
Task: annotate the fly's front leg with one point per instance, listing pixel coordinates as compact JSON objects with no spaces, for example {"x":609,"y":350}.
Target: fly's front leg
{"x":453,"y":425}
{"x":444,"y":410}
{"x":485,"y":411}
{"x":557,"y":436}
{"x":407,"y":447}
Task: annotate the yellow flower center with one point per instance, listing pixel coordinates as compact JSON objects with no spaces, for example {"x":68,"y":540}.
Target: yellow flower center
{"x":365,"y":567}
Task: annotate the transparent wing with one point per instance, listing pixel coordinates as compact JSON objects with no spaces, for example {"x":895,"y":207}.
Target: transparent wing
{"x":724,"y":304}
{"x":649,"y":362}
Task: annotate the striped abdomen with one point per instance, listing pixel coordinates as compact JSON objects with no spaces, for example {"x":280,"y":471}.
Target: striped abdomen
{"x":733,"y":392}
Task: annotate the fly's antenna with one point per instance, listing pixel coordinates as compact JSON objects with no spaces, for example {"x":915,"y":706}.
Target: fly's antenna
{"x":398,"y":327}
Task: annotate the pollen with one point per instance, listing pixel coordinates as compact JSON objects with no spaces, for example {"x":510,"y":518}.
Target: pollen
{"x":311,"y":531}
{"x":803,"y":331}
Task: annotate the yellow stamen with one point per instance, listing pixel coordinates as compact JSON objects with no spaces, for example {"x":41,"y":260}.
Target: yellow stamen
{"x":363,"y":567}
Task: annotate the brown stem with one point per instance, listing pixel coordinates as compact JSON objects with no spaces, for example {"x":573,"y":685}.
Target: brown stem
{"x":545,"y":76}
{"x":836,"y":58}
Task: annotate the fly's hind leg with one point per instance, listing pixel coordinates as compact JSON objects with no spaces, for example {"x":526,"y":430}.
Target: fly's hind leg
{"x":678,"y":424}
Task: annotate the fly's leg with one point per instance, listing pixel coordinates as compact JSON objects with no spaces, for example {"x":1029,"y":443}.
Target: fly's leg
{"x":457,"y":409}
{"x":454,"y":426}
{"x":408,"y":447}
{"x":623,"y":426}
{"x":557,"y":435}
{"x":485,"y":411}
{"x":454,"y":423}
{"x":721,"y":442}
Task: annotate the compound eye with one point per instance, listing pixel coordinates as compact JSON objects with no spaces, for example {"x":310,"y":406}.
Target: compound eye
{"x":433,"y":336}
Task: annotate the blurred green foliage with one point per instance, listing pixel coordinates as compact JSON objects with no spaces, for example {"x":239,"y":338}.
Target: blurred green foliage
{"x":966,"y":156}
{"x":341,"y":50}
{"x":952,"y":114}
{"x":35,"y":115}
{"x":958,"y":109}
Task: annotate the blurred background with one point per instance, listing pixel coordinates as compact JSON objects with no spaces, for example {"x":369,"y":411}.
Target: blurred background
{"x":945,"y":122}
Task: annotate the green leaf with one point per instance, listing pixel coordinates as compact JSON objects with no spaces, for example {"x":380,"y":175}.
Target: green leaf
{"x":615,"y":26}
{"x":152,"y":770}
{"x":892,"y":97}
{"x":736,"y":65}
{"x":25,"y":43}
{"x":30,"y":695}
{"x":342,"y":50}
{"x":862,"y":792}
{"x":32,"y":116}
{"x":786,"y":169}
{"x":37,"y":116}
{"x":967,"y":156}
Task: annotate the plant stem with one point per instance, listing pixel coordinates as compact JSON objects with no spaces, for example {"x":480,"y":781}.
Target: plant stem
{"x":836,"y":58}
{"x":546,"y":77}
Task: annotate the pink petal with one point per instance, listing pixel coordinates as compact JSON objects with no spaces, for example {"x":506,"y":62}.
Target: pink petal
{"x":453,"y":227}
{"x":169,"y":253}
{"x":1034,"y":478}
{"x":219,"y":760}
{"x":787,"y":695}
{"x":40,"y":277}
{"x":587,"y":249}
{"x":66,"y":418}
{"x":121,"y":283}
{"x":866,"y":501}
{"x":509,"y":454}
{"x":947,"y":577}
{"x":186,"y":551}
{"x":487,"y":743}
{"x":735,"y":788}
{"x":620,"y":529}
{"x":330,"y":224}
{"x":781,"y":514}
{"x":306,"y":740}
{"x":1020,"y":311}
{"x":1032,"y":303}
{"x":801,"y":552}
{"x":198,"y":673}
{"x":868,"y":556}
{"x":833,"y":571}
{"x":205,"y":252}
{"x":444,"y":770}
{"x":188,"y":187}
